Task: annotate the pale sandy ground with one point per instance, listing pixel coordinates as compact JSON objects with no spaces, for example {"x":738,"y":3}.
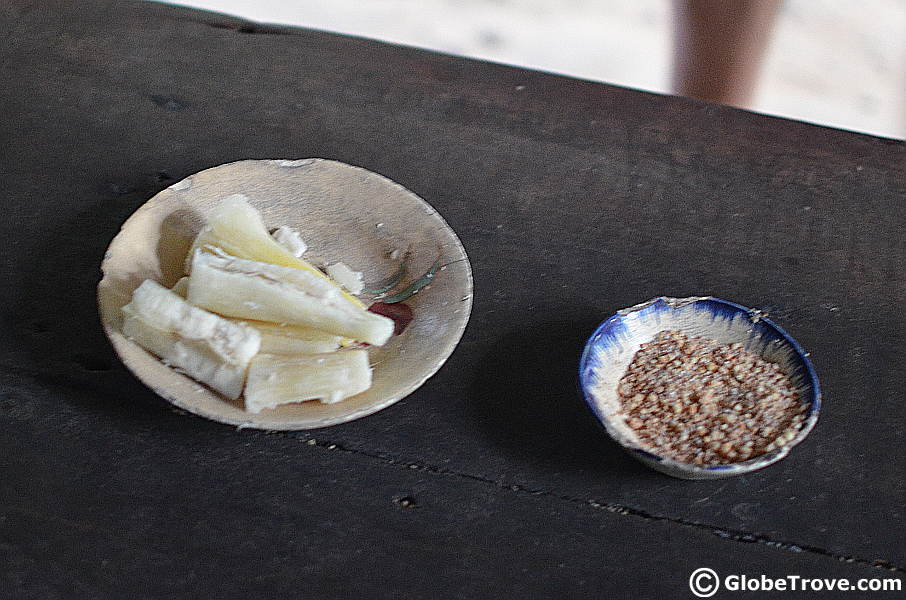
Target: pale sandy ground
{"x":834,"y":62}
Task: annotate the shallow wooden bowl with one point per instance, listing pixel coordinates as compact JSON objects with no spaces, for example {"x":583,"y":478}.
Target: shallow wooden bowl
{"x":344,"y":213}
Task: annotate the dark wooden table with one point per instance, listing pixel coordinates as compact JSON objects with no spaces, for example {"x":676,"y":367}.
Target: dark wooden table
{"x":573,"y":199}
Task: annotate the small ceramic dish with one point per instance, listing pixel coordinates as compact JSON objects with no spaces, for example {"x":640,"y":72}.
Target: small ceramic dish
{"x":611,"y":348}
{"x":344,"y":213}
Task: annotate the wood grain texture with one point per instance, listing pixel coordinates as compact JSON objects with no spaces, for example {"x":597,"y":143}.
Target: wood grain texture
{"x":572,"y":199}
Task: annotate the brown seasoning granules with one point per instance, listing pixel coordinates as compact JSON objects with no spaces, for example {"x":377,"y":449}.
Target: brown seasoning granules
{"x":695,"y":400}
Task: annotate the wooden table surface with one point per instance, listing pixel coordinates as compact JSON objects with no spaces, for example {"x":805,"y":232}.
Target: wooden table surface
{"x":573,"y":199}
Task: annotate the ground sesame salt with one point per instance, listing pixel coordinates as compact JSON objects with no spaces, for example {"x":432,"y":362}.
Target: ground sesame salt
{"x":695,"y":400}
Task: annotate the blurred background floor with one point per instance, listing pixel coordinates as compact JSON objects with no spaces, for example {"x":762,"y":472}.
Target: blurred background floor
{"x":831,"y":62}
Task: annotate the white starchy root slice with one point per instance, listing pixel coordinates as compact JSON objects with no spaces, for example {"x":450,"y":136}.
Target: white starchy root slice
{"x":291,"y":339}
{"x":349,"y":279}
{"x":236,"y":228}
{"x":205,"y":346}
{"x":274,"y":380}
{"x":290,"y":239}
{"x":181,"y":287}
{"x":247,"y":289}
{"x":277,"y":338}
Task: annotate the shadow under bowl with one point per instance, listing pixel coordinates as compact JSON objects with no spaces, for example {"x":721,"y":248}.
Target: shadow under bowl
{"x":612,"y":346}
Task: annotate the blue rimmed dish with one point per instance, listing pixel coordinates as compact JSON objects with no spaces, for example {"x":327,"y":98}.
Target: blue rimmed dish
{"x":612,"y":346}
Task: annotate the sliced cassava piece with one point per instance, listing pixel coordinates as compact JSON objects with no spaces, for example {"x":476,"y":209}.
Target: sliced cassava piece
{"x":290,"y":239}
{"x":248,"y":289}
{"x":274,"y":380}
{"x":291,"y":339}
{"x":279,"y":338}
{"x":237,"y":228}
{"x":206,"y":347}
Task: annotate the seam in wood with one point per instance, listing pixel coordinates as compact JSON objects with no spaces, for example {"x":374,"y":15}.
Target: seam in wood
{"x":721,"y":532}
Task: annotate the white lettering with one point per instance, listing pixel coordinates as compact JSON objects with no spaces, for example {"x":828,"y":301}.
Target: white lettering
{"x":794,"y":581}
{"x":710,"y":583}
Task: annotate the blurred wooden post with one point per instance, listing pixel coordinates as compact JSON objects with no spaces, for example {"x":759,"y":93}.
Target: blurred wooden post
{"x":719,"y":46}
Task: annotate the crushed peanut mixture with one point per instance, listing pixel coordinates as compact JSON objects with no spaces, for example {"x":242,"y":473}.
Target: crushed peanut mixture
{"x":695,"y":400}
